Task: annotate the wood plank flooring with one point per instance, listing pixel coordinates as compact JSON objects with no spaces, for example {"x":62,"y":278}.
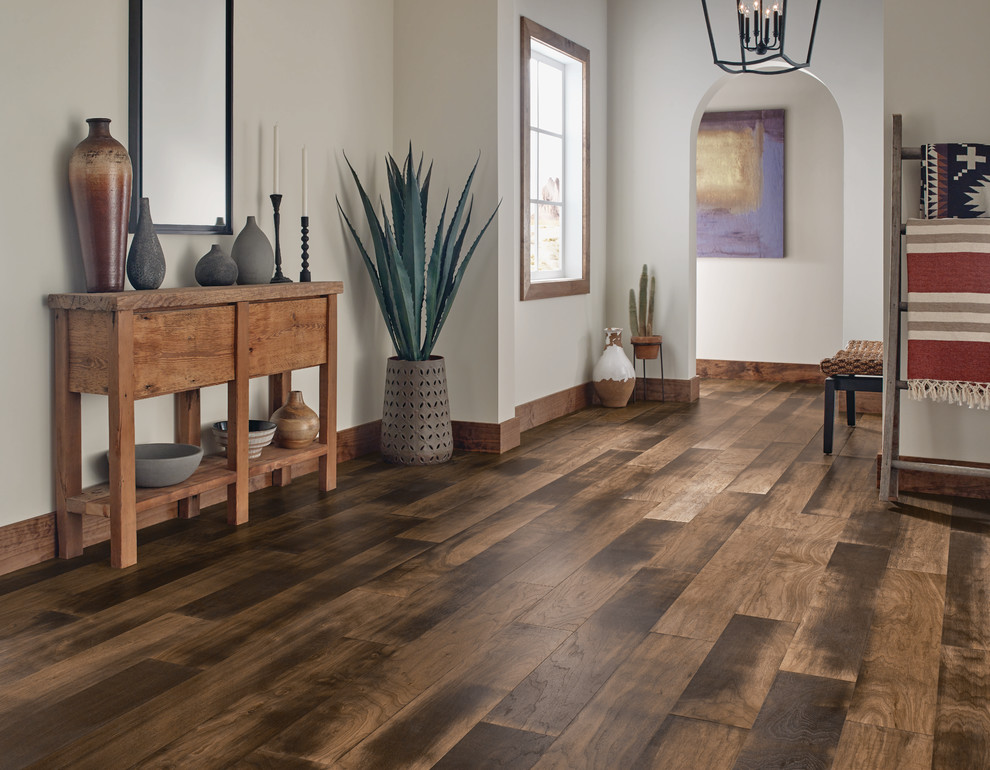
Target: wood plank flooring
{"x":663,"y":586}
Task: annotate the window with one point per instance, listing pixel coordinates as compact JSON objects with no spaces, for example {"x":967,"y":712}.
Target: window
{"x":555,"y":146}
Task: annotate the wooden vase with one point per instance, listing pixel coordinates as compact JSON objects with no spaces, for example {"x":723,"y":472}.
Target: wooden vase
{"x":296,"y":424}
{"x":100,"y":181}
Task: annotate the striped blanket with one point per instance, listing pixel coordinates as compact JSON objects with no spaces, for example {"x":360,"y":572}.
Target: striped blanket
{"x":948,"y":317}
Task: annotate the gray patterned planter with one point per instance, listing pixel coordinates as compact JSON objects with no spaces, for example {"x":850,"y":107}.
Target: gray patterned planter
{"x":416,"y":413}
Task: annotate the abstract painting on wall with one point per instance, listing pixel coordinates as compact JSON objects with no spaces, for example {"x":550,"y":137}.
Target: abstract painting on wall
{"x":740,"y":184}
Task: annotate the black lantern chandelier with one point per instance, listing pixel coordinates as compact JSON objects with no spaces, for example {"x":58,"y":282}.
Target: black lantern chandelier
{"x":761,"y":37}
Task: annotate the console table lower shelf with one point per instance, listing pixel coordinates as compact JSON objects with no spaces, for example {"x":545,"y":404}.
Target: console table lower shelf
{"x":212,"y":473}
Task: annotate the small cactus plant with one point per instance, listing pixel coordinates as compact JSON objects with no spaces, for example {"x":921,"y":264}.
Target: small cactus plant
{"x":641,"y":312}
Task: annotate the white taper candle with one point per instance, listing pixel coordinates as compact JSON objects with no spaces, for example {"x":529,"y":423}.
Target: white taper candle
{"x":305,"y":186}
{"x":275,"y":162}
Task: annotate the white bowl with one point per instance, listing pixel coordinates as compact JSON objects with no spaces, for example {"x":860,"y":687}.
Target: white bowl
{"x":162,"y":465}
{"x":260,"y":433}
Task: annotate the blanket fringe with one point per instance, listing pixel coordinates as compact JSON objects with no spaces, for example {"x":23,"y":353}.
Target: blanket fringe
{"x":971,"y":394}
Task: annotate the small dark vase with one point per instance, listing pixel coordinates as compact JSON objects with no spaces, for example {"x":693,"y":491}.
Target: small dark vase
{"x":100,"y":180}
{"x":215,"y":268}
{"x":145,"y":260}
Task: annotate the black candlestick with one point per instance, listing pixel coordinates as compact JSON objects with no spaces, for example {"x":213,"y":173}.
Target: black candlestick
{"x":278,"y":278}
{"x":304,"y":276}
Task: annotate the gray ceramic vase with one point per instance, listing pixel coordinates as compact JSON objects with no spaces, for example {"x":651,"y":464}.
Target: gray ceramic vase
{"x":145,"y":260}
{"x":215,"y":268}
{"x":416,"y":428}
{"x":253,"y":253}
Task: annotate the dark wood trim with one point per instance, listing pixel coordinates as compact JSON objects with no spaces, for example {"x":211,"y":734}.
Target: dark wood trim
{"x":673,"y":390}
{"x":359,"y":440}
{"x":764,"y":371}
{"x":541,"y":410}
{"x":529,"y":290}
{"x":24,"y":543}
{"x":486,"y":436}
{"x":926,"y":483}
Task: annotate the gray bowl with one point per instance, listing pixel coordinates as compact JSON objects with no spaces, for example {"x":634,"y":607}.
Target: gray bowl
{"x":162,"y":465}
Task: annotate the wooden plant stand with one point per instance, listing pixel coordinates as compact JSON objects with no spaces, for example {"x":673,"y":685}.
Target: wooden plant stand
{"x":138,"y":344}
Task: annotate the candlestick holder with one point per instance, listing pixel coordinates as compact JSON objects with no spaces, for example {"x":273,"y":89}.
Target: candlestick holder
{"x":278,"y":277}
{"x":304,"y":276}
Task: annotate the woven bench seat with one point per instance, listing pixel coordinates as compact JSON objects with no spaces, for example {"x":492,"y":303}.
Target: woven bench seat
{"x":859,"y":357}
{"x":858,"y":367}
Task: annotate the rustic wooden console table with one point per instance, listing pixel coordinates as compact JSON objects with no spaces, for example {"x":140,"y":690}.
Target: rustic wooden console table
{"x":137,"y":344}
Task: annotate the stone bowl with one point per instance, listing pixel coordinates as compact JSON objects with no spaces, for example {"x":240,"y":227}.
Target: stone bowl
{"x":260,"y":433}
{"x":162,"y":465}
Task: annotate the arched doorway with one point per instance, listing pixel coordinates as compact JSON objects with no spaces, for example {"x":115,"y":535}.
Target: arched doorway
{"x":782,"y":310}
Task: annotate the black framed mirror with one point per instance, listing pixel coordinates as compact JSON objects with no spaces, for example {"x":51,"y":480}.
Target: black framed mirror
{"x":179,"y":112}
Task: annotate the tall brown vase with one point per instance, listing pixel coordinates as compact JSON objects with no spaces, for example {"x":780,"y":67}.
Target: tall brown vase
{"x":100,"y":180}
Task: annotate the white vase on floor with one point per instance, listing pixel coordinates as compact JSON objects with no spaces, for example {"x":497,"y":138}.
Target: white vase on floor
{"x":614,"y":376}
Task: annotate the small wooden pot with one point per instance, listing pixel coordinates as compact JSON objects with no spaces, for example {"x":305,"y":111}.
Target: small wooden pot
{"x":296,"y":424}
{"x":646,"y":348}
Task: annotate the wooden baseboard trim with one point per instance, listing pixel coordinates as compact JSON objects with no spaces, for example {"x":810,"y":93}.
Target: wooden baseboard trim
{"x":928,"y":483}
{"x":763,"y":371}
{"x":486,"y":436}
{"x":673,"y":390}
{"x":359,"y":440}
{"x":547,"y":408}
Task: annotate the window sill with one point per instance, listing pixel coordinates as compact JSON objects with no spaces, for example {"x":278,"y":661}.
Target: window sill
{"x":566,"y":287}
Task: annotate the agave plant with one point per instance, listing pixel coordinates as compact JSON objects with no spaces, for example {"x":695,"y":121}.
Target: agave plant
{"x":415,"y":288}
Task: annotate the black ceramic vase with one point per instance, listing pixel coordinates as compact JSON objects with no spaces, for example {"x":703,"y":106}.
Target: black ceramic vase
{"x":145,"y":260}
{"x":215,"y":268}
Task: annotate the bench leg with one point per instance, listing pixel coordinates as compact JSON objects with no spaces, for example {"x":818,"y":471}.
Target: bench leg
{"x":850,"y":407}
{"x":829,"y":415}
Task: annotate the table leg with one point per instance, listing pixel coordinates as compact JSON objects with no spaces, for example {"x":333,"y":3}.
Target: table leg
{"x":829,"y":423}
{"x":188,"y":430}
{"x":237,"y":422}
{"x":328,"y":402}
{"x":68,"y":446}
{"x":123,"y":494}
{"x":279,"y":387}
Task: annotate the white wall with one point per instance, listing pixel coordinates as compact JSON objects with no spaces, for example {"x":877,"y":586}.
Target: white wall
{"x":934,"y":68}
{"x":557,"y":341}
{"x":660,"y":80}
{"x":446,"y":103}
{"x":327,"y":81}
{"x":783,"y":310}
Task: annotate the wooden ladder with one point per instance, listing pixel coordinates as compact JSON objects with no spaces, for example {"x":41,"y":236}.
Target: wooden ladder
{"x":893,"y":384}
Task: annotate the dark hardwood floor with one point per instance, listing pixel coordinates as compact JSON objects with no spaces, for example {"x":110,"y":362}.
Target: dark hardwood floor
{"x":661,"y":586}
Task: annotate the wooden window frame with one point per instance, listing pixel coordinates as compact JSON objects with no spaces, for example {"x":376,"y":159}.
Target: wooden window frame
{"x":565,"y":287}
